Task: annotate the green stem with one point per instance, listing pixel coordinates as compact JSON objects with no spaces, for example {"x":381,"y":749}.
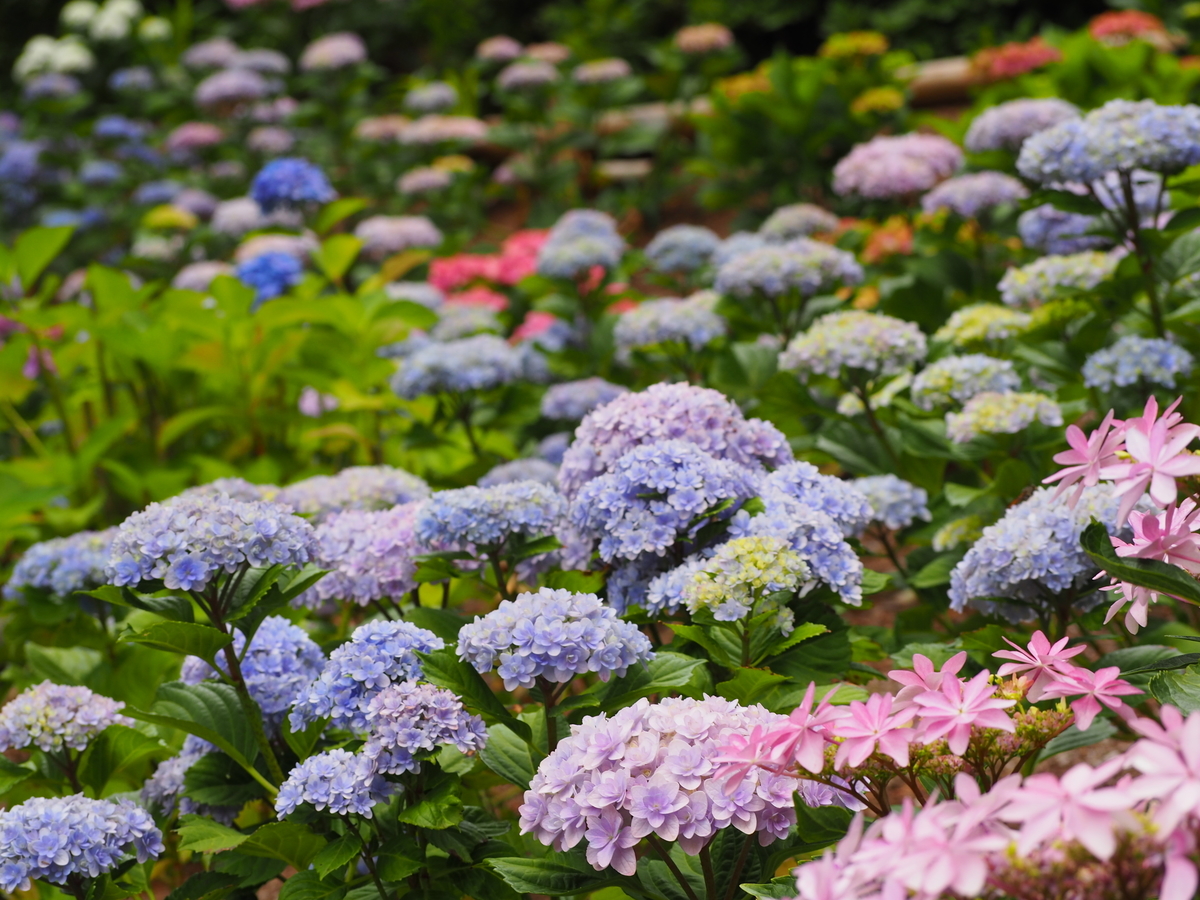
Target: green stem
{"x":371,"y":867}
{"x":737,"y":869}
{"x":875,"y":425}
{"x":666,"y":858}
{"x":710,"y":878}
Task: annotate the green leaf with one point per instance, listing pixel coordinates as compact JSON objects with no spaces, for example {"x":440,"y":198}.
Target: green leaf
{"x":251,"y":870}
{"x":180,"y":424}
{"x":11,"y":775}
{"x":578,"y":582}
{"x":1180,"y":688}
{"x":399,"y":858}
{"x":442,"y":622}
{"x":291,"y":842}
{"x":216,"y":780}
{"x":554,"y":875}
{"x":661,"y":675}
{"x":339,"y":210}
{"x":208,"y":710}
{"x":116,"y":751}
{"x":169,"y":606}
{"x":938,"y":653}
{"x":445,"y":669}
{"x":309,"y":886}
{"x":802,"y":632}
{"x":775,"y":889}
{"x":705,"y":639}
{"x":873,"y":582}
{"x":1066,"y":200}
{"x":1101,"y":729}
{"x":1165,"y":665}
{"x":508,"y":756}
{"x":821,"y":826}
{"x":184,"y":638}
{"x":253,"y":588}
{"x":336,"y":255}
{"x":205,"y":886}
{"x":36,"y":249}
{"x":63,"y":665}
{"x":535,"y":547}
{"x":301,"y":581}
{"x":304,"y":742}
{"x":936,"y":572}
{"x":748,"y":686}
{"x":440,"y":805}
{"x":1150,"y":573}
{"x":337,"y":855}
{"x":203,"y":835}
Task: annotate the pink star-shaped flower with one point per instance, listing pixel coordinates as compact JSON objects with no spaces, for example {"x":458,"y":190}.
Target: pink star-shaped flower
{"x":1158,"y":447}
{"x":1045,"y":660}
{"x":1104,"y":686}
{"x":803,"y":736}
{"x":925,"y":676}
{"x":1087,"y":456}
{"x":870,"y":725}
{"x":1073,"y":808}
{"x":958,"y":707}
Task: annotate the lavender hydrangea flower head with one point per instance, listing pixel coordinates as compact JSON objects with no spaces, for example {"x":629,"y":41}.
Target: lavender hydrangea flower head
{"x":663,"y":412}
{"x":971,"y":195}
{"x":476,"y":363}
{"x":855,"y":339}
{"x":189,"y":541}
{"x":525,"y":74}
{"x":271,"y":275}
{"x":56,"y":838}
{"x":738,"y":579}
{"x":1057,"y":231}
{"x":440,"y":129}
{"x":62,"y":566}
{"x":653,"y":496}
{"x":579,"y":240}
{"x":682,"y":248}
{"x":530,"y":469}
{"x":1048,"y":277}
{"x":498,"y":48}
{"x":228,"y":87}
{"x":421,"y":292}
{"x":52,"y":717}
{"x":279,"y":665}
{"x":234,"y":488}
{"x":735,"y":245}
{"x":462,"y":320}
{"x":981,"y":323}
{"x":1007,"y":125}
{"x":333,"y":51}
{"x":1134,"y":359}
{"x":198,"y":276}
{"x":336,"y":780}
{"x":797,"y":220}
{"x":572,"y":400}
{"x":213,"y":53}
{"x":408,"y":720}
{"x":959,"y":378}
{"x":356,"y":487}
{"x":288,"y":183}
{"x":841,"y":500}
{"x":552,"y":635}
{"x":894,"y":502}
{"x":424,"y":180}
{"x":553,"y":447}
{"x":896,"y":166}
{"x":479,"y":517}
{"x":693,"y":324}
{"x":649,"y":770}
{"x":801,"y":265}
{"x":385,"y":235}
{"x":435,"y":96}
{"x":378,"y":654}
{"x":601,"y":71}
{"x":1001,"y":413}
{"x":368,"y":555}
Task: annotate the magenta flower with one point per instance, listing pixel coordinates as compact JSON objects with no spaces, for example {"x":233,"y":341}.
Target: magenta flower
{"x":959,"y":706}
{"x":924,"y":676}
{"x":1087,"y":456}
{"x":1157,"y":446}
{"x":610,"y":843}
{"x":873,"y":724}
{"x":744,"y":755}
{"x":1073,"y":808}
{"x":1044,"y":660}
{"x":1100,"y":687}
{"x":1168,"y":536}
{"x":803,"y":737}
{"x":1169,"y":763}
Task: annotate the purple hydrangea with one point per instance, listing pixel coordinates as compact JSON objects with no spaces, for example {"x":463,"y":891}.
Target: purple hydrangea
{"x":531,"y":469}
{"x":475,"y":363}
{"x":802,"y":266}
{"x":525,"y":74}
{"x":573,"y":400}
{"x":290,"y":182}
{"x":795,"y":221}
{"x":479,"y":517}
{"x":971,"y":195}
{"x":553,"y":447}
{"x":355,"y":487}
{"x":232,"y":487}
{"x":1007,"y":125}
{"x":896,"y":166}
{"x":435,"y":96}
{"x":579,"y":240}
{"x":682,"y":248}
{"x":1057,"y":231}
{"x":62,"y":566}
{"x":52,"y":717}
{"x":385,"y":235}
{"x":693,"y":323}
{"x":842,"y":501}
{"x":336,"y":780}
{"x":407,"y":720}
{"x":895,"y":503}
{"x":735,"y":245}
{"x":554,"y":635}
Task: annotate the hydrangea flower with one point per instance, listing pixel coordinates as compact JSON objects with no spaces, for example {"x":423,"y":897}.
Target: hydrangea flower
{"x":1133,"y":359}
{"x":1045,"y":278}
{"x":368,"y":555}
{"x":407,"y":720}
{"x":959,"y":378}
{"x":524,"y":74}
{"x":279,"y":665}
{"x":895,"y":166}
{"x":290,"y":182}
{"x":1006,"y":126}
{"x":693,"y":323}
{"x":736,"y":581}
{"x":271,"y":275}
{"x":801,"y":265}
{"x":573,"y":400}
{"x":663,"y":412}
{"x":797,"y":220}
{"x":531,"y":469}
{"x":356,"y":487}
{"x":735,"y":245}
{"x":553,"y":447}
{"x":228,"y":87}
{"x":576,"y":257}
{"x":56,"y":838}
{"x":434,"y":96}
{"x":53,"y":717}
{"x":385,"y":235}
{"x":555,"y":635}
{"x":842,"y":501}
{"x":189,"y":541}
{"x":336,"y":780}
{"x":470,"y":364}
{"x":1001,"y":413}
{"x":415,"y":292}
{"x":653,"y":495}
{"x":164,"y":790}
{"x":682,"y":248}
{"x":333,"y":51}
{"x":895,"y":503}
{"x":1057,"y":231}
{"x":488,"y":516}
{"x":601,"y":71}
{"x":855,"y":339}
{"x":233,"y":487}
{"x":971,"y":195}
{"x":649,"y":769}
{"x":378,"y":654}
{"x":982,"y":322}
{"x":62,"y":566}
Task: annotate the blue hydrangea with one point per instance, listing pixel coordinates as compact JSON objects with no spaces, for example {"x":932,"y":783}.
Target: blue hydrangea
{"x":271,"y":275}
{"x":654,"y":496}
{"x":682,"y":248}
{"x":553,"y":447}
{"x":555,"y":635}
{"x":61,"y":566}
{"x":55,"y":838}
{"x":579,"y":240}
{"x":842,"y":501}
{"x":233,"y":487}
{"x":409,"y":720}
{"x":100,"y":172}
{"x":1032,"y":554}
{"x":461,"y":320}
{"x":1052,"y":230}
{"x":338,"y":781}
{"x":573,"y":400}
{"x":895,"y":503}
{"x":118,"y":128}
{"x":281,"y":663}
{"x":470,"y":364}
{"x":971,"y":195}
{"x":52,"y":717}
{"x":155,"y":193}
{"x":1134,"y":359}
{"x":479,"y":517}
{"x":377,"y":654}
{"x":692,"y":323}
{"x":290,"y":182}
{"x":164,"y":790}
{"x":355,"y":487}
{"x":801,"y":266}
{"x":959,"y":378}
{"x":735,"y":245}
{"x":532,"y":469}
{"x":1006,"y":126}
{"x":797,"y":220}
{"x":189,"y":541}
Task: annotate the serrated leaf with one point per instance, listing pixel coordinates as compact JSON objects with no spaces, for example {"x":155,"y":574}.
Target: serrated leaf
{"x":216,"y":780}
{"x":445,"y":669}
{"x":291,"y":842}
{"x":936,"y":572}
{"x":184,"y":638}
{"x":873,"y":582}
{"x":661,"y":675}
{"x":399,"y":858}
{"x":12,"y":774}
{"x":337,"y":854}
{"x":553,"y":875}
{"x":508,"y":756}
{"x":1180,"y":688}
{"x":442,"y":622}
{"x":309,"y":886}
{"x":205,"y":886}
{"x":439,"y":806}
{"x":251,"y":870}
{"x":576,"y":581}
{"x":254,"y":586}
{"x":775,"y":889}
{"x":1150,"y":573}
{"x":301,"y":581}
{"x":63,"y":665}
{"x":203,"y":835}
{"x":704,"y":638}
{"x":1101,"y":729}
{"x":536,"y":547}
{"x":748,"y":686}
{"x":305,"y":741}
{"x":115,"y":751}
{"x":173,"y":607}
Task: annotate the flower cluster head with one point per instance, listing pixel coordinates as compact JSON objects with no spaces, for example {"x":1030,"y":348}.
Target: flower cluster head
{"x":1134,"y":359}
{"x":1051,"y":276}
{"x":271,"y":275}
{"x":579,"y":241}
{"x":336,"y":780}
{"x":333,"y":51}
{"x":994,"y":412}
{"x":664,"y":412}
{"x":693,"y":323}
{"x":377,"y":655}
{"x":735,"y":245}
{"x":526,"y":469}
{"x":895,"y":503}
{"x":435,"y":96}
{"x":738,"y":578}
{"x":842,"y":501}
{"x":476,"y":363}
{"x":959,"y":378}
{"x":526,"y":74}
{"x":801,"y":265}
{"x":421,"y":292}
{"x":649,"y":770}
{"x":656,"y":495}
{"x":553,"y":635}
{"x":424,"y":180}
{"x":164,"y":790}
{"x":601,"y":71}
{"x":1120,"y":136}
{"x":52,"y":717}
{"x":479,"y":517}
{"x":896,"y":166}
{"x":498,"y":48}
{"x":355,"y":487}
{"x":1056,"y":231}
{"x":289,"y":182}
{"x":855,"y":339}
{"x":682,"y":248}
{"x":797,"y":220}
{"x":62,"y":566}
{"x":1007,"y":125}
{"x":971,"y":195}
{"x":982,"y":323}
{"x":408,"y":719}
{"x":189,"y":541}
{"x":573,"y":400}
{"x":441,"y":129}
{"x":708,"y":37}
{"x":385,"y":235}
{"x":55,"y":838}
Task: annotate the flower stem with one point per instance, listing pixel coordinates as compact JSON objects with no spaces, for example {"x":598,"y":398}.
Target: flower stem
{"x":710,"y":878}
{"x":737,"y":869}
{"x":666,"y":858}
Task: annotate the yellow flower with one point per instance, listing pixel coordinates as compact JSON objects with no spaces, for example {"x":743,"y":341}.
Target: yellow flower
{"x":877,"y":100}
{"x":167,"y":217}
{"x":854,"y":43}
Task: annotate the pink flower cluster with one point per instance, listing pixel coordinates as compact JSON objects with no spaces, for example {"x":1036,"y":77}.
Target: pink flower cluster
{"x":517,"y":259}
